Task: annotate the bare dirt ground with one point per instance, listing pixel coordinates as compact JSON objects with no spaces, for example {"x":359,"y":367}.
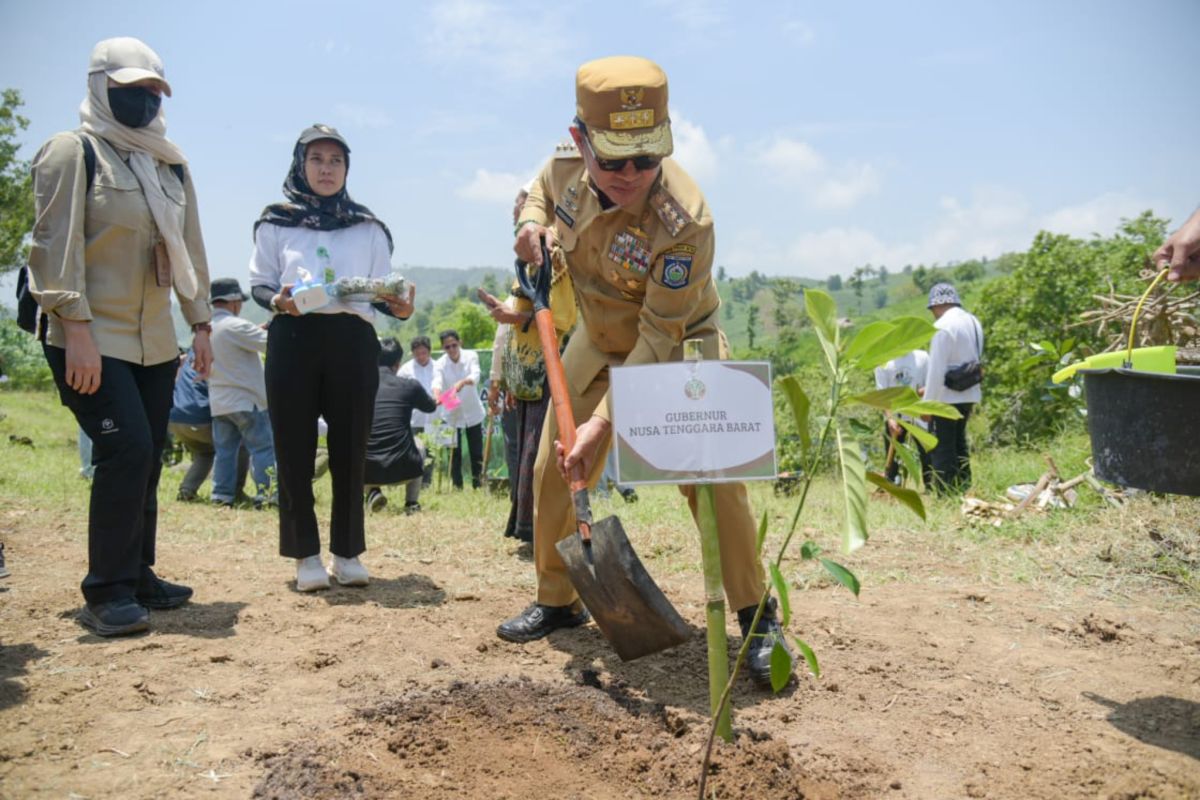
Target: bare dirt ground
{"x":953,"y":676}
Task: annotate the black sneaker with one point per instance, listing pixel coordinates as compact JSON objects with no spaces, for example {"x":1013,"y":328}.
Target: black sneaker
{"x":4,"y":573}
{"x":758,"y":657}
{"x":412,"y":508}
{"x":186,"y":497}
{"x":153,"y":592}
{"x":376,"y":500}
{"x":115,"y":618}
{"x":538,"y":620}
{"x":628,"y":494}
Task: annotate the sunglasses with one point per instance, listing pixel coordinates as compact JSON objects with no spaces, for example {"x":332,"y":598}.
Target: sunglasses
{"x":640,"y":163}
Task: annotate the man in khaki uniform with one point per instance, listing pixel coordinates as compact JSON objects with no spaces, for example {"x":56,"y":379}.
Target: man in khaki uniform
{"x":637,"y":237}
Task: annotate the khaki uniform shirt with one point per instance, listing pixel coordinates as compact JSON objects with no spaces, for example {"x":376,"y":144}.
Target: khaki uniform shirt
{"x":643,"y":276}
{"x":92,"y":256}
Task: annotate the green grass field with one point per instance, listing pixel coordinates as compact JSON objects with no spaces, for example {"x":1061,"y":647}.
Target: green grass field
{"x":1088,"y":538}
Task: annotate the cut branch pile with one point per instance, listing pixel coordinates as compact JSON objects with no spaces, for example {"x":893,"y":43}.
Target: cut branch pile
{"x":1049,"y":492}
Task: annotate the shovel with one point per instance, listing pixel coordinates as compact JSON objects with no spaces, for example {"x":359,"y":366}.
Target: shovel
{"x":631,"y":611}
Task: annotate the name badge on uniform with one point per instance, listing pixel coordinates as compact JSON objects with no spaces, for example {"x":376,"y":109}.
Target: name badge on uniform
{"x":162,"y":264}
{"x":562,"y":214}
{"x":677,"y":266}
{"x":630,"y":251}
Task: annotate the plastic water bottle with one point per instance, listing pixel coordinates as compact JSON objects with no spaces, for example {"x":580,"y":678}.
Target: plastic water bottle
{"x":325,"y":263}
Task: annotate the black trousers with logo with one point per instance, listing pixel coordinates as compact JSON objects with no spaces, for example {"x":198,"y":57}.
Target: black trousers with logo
{"x":126,"y":420}
{"x":321,"y":365}
{"x":951,"y":459}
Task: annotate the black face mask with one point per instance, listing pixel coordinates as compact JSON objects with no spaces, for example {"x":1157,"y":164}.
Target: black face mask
{"x":133,"y":106}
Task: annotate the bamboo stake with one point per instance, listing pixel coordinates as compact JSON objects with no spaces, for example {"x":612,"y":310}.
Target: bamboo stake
{"x":714,"y":589}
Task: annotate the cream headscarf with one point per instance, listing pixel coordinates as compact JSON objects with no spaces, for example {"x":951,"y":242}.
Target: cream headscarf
{"x":146,"y":146}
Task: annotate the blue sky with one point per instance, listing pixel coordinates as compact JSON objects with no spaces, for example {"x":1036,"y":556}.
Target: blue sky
{"x":825,"y":136}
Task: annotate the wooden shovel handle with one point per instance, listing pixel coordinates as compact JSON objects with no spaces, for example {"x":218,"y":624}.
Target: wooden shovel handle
{"x":559,"y":393}
{"x":538,"y":290}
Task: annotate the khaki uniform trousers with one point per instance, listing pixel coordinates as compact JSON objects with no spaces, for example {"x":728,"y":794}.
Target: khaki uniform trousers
{"x":554,"y":517}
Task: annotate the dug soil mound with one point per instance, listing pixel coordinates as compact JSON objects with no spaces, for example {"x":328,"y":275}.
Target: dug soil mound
{"x":520,"y":739}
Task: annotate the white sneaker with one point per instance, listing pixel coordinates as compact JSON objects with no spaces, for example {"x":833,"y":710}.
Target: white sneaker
{"x":349,"y":571}
{"x":311,"y":575}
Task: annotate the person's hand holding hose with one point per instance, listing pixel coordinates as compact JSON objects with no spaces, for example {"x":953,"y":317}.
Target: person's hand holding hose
{"x":1181,"y":251}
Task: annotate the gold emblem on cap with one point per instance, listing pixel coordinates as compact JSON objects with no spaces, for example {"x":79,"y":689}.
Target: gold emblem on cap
{"x":631,"y":98}
{"x":626,"y":120}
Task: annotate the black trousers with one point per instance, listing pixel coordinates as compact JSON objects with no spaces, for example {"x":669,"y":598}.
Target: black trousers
{"x":321,"y":365}
{"x":951,"y":459}
{"x":475,"y":446}
{"x":126,"y":419}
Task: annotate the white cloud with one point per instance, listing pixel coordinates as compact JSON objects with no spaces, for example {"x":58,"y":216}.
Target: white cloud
{"x":693,"y":150}
{"x":506,"y":44}
{"x":1100,"y":215}
{"x":360,"y":116}
{"x":799,"y":166}
{"x":992,"y":221}
{"x":837,"y":250}
{"x":499,"y":188}
{"x":855,"y":182}
{"x":791,"y":159}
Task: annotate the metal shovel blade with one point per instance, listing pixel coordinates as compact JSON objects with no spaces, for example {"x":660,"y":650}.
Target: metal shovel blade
{"x":632,"y":612}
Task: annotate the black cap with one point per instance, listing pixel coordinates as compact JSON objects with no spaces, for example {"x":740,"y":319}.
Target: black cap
{"x":226,"y":289}
{"x":318,"y":131}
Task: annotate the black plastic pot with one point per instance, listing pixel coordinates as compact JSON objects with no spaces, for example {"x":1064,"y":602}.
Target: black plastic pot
{"x":1145,"y":428}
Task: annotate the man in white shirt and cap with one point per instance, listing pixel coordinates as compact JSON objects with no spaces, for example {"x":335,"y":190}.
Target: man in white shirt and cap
{"x":953,"y":377}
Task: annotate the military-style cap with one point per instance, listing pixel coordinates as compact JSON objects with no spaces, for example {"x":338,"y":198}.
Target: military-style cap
{"x":128,"y":60}
{"x":318,"y":131}
{"x":623,"y":102}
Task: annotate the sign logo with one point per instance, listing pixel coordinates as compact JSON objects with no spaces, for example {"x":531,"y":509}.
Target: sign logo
{"x":695,"y":389}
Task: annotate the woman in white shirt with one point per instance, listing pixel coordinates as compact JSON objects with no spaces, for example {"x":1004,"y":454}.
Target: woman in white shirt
{"x":321,"y":363}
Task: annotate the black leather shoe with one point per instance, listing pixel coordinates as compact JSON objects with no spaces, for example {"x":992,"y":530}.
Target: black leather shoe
{"x":153,"y":592}
{"x":538,"y":620}
{"x":758,"y":657}
{"x":115,"y":618}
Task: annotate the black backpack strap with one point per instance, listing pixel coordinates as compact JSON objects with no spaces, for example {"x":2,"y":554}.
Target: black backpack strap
{"x":89,"y":159}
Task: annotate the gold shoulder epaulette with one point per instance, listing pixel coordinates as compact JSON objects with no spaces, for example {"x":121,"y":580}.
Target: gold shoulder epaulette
{"x":566,"y":149}
{"x":673,"y":215}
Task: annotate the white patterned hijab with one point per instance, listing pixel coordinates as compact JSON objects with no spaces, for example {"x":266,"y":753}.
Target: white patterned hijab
{"x":146,"y":146}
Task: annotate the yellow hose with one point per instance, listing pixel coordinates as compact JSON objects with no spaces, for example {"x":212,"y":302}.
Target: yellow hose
{"x":1137,"y":312}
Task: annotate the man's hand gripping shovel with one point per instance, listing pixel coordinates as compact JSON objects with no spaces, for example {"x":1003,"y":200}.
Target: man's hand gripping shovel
{"x":630,"y":609}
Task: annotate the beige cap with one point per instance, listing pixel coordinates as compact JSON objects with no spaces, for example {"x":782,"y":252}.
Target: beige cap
{"x":623,"y":102}
{"x":128,"y":60}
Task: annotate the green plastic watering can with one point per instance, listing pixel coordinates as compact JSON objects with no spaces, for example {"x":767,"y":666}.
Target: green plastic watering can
{"x":1145,"y":359}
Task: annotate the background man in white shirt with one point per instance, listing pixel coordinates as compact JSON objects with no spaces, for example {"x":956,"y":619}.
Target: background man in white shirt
{"x":421,"y":368}
{"x":237,"y":396}
{"x":907,"y":370}
{"x":958,"y":342}
{"x":458,"y":370}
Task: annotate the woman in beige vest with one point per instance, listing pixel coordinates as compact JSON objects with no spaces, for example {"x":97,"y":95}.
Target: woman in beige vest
{"x":117,"y":231}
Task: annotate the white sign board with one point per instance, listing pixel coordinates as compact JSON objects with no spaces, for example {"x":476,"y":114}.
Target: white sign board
{"x":693,"y":422}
